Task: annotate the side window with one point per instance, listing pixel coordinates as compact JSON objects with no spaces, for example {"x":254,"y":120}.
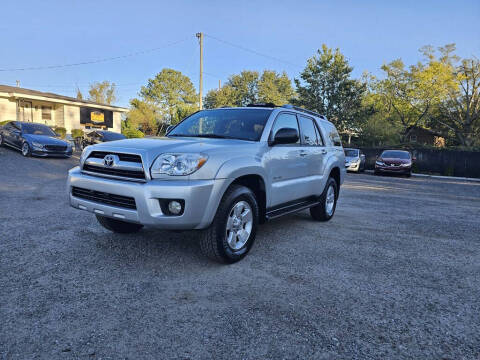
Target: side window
{"x":319,"y":137}
{"x":285,"y":120}
{"x":309,"y":133}
{"x":334,"y":137}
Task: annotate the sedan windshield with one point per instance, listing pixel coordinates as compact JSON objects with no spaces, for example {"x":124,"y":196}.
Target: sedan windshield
{"x":395,"y":155}
{"x":351,"y":152}
{"x":111,"y":136}
{"x":37,"y":129}
{"x":243,"y":124}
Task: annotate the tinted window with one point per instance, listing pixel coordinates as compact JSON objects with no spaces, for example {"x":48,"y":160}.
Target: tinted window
{"x":351,"y":152}
{"x":308,"y":131}
{"x":37,"y":129}
{"x":243,"y":124}
{"x":395,"y":154}
{"x":285,"y":120}
{"x":111,"y":136}
{"x":333,"y":135}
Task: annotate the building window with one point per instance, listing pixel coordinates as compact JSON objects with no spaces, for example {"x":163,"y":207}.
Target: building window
{"x":46,"y":113}
{"x":413,"y":138}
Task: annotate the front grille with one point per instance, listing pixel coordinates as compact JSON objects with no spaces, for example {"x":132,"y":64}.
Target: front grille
{"x":123,"y":157}
{"x":115,"y":172}
{"x":134,"y":173}
{"x":104,"y":198}
{"x":55,"y":147}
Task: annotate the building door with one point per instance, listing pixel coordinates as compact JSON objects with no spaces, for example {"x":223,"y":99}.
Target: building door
{"x":24,"y":111}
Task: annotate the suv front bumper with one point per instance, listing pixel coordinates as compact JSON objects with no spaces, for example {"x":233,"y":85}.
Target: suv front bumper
{"x":202,"y":198}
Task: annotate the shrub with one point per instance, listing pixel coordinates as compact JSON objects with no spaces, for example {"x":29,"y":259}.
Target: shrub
{"x":61,"y":131}
{"x":77,"y":133}
{"x":4,"y":122}
{"x":132,"y":133}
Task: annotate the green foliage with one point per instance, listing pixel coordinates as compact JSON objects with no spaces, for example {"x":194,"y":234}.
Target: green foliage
{"x":61,"y":131}
{"x":130,"y":131}
{"x":4,"y":122}
{"x":325,"y":86}
{"x":166,"y":99}
{"x":77,"y":133}
{"x":249,"y":87}
{"x":102,"y":92}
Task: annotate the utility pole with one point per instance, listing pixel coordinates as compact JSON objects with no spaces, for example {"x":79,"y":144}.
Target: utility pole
{"x":219,"y":84}
{"x":200,"y":87}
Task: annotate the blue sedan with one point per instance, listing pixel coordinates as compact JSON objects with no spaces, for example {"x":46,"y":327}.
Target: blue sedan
{"x":34,"y":139}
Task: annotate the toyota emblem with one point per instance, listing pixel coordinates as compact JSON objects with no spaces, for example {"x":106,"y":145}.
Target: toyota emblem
{"x":108,"y":160}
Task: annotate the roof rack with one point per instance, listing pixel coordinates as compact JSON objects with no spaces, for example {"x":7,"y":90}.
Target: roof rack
{"x":269,"y":105}
{"x":288,"y":106}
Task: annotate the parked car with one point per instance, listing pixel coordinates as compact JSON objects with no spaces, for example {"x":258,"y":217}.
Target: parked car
{"x":222,"y":171}
{"x":354,"y":160}
{"x":34,"y":139}
{"x":394,"y":162}
{"x":99,"y":136}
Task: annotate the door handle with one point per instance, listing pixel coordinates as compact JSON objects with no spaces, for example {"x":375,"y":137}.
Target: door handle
{"x":324,"y":151}
{"x":303,"y":153}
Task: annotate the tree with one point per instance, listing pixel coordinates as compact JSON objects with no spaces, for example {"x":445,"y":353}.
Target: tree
{"x":102,"y":92}
{"x":249,"y":88}
{"x":170,"y":95}
{"x":412,"y":94}
{"x":79,"y":94}
{"x":142,"y":116}
{"x":459,"y":113}
{"x":325,"y":86}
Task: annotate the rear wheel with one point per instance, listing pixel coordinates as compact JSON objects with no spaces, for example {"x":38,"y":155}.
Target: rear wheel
{"x":232,"y":232}
{"x":118,"y":226}
{"x":26,"y":149}
{"x":328,"y":202}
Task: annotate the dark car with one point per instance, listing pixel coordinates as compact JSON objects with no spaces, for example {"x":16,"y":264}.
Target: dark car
{"x":394,"y":162}
{"x":34,"y":139}
{"x":99,"y":136}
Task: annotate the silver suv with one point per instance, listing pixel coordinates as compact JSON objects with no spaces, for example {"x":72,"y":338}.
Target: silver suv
{"x":222,"y":171}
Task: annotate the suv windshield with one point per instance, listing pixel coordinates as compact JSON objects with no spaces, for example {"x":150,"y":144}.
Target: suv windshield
{"x":351,"y":152}
{"x":395,"y":155}
{"x":37,"y":129}
{"x":243,"y":124}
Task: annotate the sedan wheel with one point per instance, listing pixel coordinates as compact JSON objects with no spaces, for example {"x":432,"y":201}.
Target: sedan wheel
{"x":25,"y":149}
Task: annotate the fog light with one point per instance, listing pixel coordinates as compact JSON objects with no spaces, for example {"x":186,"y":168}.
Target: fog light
{"x":175,"y":207}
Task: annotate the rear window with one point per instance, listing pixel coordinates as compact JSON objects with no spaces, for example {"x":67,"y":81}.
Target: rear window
{"x":351,"y":152}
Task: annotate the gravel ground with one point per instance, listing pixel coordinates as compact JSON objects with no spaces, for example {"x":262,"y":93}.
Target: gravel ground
{"x":395,"y":274}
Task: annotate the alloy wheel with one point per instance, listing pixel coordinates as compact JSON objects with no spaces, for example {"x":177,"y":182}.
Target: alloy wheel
{"x":330,"y":200}
{"x":239,"y":225}
{"x":25,"y":149}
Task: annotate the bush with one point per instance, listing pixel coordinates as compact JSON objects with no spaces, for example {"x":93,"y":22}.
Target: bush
{"x":132,"y":133}
{"x":4,"y":122}
{"x":61,"y":131}
{"x":77,"y":133}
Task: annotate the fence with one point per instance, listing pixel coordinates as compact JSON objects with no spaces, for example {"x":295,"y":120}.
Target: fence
{"x":437,"y":161}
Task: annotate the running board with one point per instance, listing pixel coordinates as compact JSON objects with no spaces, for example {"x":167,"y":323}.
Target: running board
{"x":288,"y":209}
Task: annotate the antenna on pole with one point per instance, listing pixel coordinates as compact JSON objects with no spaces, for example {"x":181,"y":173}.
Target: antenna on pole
{"x":200,"y":87}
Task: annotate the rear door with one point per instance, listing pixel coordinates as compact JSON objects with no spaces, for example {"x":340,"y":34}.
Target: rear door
{"x":286,"y":165}
{"x":314,"y":147}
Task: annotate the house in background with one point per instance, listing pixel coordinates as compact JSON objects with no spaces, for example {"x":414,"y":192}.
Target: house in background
{"x":57,"y":110}
{"x":419,"y":135}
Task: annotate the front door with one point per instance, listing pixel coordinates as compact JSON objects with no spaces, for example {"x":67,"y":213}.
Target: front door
{"x":25,"y":111}
{"x":286,"y":165}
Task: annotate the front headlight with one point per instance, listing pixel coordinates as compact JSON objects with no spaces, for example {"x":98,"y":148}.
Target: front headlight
{"x":37,"y":145}
{"x":177,"y":164}
{"x":380,"y":163}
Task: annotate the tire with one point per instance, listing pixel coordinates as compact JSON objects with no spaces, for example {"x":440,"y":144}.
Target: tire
{"x":1,"y":140}
{"x":26,"y":151}
{"x":118,"y":226}
{"x":328,"y":202}
{"x":224,"y":241}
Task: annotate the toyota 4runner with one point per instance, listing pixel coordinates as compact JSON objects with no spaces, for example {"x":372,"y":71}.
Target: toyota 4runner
{"x":222,"y":171}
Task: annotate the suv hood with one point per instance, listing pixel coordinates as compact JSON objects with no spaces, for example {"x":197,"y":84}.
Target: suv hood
{"x":150,"y":148}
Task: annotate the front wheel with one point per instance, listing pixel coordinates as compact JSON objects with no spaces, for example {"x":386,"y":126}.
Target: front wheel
{"x":232,"y":232}
{"x":26,"y":149}
{"x":118,"y":226}
{"x":328,"y":202}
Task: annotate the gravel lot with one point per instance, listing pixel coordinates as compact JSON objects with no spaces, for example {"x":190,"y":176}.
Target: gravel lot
{"x":395,"y":274}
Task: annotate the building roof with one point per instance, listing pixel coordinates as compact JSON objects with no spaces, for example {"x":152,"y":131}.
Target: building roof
{"x":30,"y":92}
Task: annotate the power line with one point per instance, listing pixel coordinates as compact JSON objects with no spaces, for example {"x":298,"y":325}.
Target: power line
{"x":48,"y":67}
{"x":254,"y":51}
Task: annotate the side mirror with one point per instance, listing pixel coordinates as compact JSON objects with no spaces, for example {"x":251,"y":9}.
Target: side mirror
{"x":285,"y":136}
{"x":169,"y":128}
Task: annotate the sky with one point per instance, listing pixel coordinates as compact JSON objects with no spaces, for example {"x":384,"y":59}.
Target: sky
{"x":157,"y":34}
